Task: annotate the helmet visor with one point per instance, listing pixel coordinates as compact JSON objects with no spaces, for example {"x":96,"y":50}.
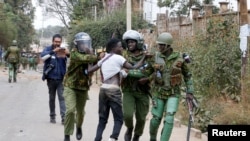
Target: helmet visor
{"x":83,"y":45}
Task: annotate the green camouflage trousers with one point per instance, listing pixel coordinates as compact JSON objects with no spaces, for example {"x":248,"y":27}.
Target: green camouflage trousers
{"x":138,"y":104}
{"x":75,"y":101}
{"x":12,"y":70}
{"x":163,"y":108}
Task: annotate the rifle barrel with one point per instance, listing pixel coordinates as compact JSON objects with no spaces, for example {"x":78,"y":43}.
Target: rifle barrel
{"x":189,"y":127}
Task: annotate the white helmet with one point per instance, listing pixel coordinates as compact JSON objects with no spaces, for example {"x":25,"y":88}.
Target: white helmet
{"x":134,"y":35}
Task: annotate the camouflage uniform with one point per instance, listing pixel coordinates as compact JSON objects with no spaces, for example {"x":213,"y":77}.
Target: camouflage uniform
{"x":36,"y":62}
{"x":31,"y":61}
{"x":24,"y":62}
{"x":135,"y":95}
{"x":166,"y":90}
{"x":12,"y":56}
{"x":76,"y":86}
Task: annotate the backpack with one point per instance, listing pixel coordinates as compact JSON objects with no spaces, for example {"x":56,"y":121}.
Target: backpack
{"x":13,"y":55}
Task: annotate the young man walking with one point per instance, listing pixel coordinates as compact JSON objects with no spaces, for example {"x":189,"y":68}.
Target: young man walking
{"x":110,"y":95}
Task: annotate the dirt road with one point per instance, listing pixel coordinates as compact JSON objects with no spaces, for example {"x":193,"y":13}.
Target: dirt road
{"x":25,"y":113}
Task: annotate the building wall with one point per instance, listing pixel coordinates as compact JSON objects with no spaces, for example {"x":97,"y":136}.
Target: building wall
{"x":181,"y":27}
{"x":150,"y":10}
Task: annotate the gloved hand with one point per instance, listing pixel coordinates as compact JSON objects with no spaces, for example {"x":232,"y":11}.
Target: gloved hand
{"x":189,"y":96}
{"x":189,"y":100}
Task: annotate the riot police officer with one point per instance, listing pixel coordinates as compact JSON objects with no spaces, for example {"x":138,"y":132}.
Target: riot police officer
{"x":12,"y":56}
{"x":170,"y":70}
{"x":76,"y":84}
{"x":135,"y":86}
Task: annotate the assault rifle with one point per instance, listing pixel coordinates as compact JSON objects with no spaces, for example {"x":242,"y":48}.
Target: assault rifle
{"x":191,"y":103}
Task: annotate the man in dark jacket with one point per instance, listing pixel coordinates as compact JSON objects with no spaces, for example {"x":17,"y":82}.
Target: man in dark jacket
{"x":55,"y":60}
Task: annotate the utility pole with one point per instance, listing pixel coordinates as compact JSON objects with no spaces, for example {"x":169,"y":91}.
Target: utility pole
{"x":42,"y":30}
{"x":95,"y":12}
{"x":128,"y":14}
{"x":243,"y":18}
{"x":243,"y":21}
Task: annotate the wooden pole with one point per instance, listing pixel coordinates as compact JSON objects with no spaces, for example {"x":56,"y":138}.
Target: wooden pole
{"x":243,"y":18}
{"x":243,"y":21}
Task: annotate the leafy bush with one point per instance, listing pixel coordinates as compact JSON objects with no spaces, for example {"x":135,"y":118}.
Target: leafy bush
{"x":110,"y":26}
{"x":216,"y":64}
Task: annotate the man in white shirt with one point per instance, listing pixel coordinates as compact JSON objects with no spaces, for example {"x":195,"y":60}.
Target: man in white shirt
{"x":110,"y":96}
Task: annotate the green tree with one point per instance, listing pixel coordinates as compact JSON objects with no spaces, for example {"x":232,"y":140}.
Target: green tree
{"x":110,"y":26}
{"x":8,"y":30}
{"x":215,"y":65}
{"x":61,"y":9}
{"x":20,"y":14}
{"x":183,"y":7}
{"x":72,"y":10}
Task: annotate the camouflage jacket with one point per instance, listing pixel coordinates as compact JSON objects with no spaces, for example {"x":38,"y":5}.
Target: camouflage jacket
{"x":169,"y":74}
{"x":130,"y":83}
{"x":76,"y":76}
{"x":24,"y":60}
{"x":12,"y":55}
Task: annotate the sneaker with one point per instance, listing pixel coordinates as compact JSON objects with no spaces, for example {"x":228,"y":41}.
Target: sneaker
{"x":52,"y":120}
{"x":112,"y":139}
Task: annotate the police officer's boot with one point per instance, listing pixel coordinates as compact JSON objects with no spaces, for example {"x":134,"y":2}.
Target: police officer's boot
{"x":67,"y":138}
{"x":78,"y":133}
{"x":136,"y":138}
{"x":9,"y":80}
{"x":128,"y":134}
{"x":14,"y":79}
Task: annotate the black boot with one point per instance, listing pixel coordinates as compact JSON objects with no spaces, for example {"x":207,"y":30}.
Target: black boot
{"x":136,"y":138}
{"x":66,"y":138}
{"x":63,"y":120}
{"x":78,"y":133}
{"x":128,"y":134}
